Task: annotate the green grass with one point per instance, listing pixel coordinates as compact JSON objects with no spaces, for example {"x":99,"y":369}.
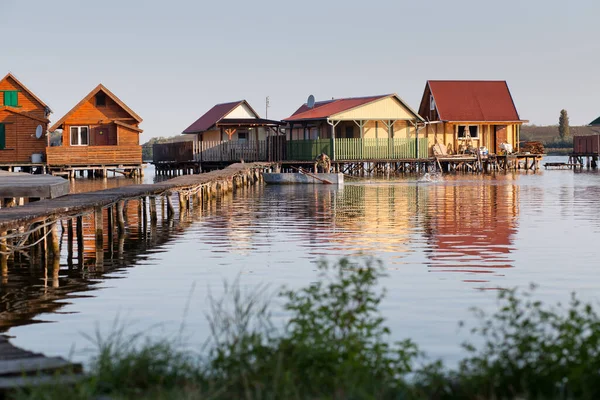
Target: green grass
{"x":336,"y":345}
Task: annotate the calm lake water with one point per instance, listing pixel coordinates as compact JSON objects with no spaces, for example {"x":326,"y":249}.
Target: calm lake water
{"x":446,"y":246}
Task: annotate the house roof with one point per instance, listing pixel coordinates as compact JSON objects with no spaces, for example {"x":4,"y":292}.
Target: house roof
{"x":10,"y":75}
{"x":97,"y":89}
{"x":328,"y":108}
{"x":214,"y":115}
{"x":24,"y":114}
{"x":471,"y":101}
{"x":595,"y":122}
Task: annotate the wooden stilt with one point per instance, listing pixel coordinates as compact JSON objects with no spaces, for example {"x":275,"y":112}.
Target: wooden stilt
{"x":79,"y":231}
{"x":120,"y":217}
{"x":170,"y":208}
{"x":70,"y":242}
{"x":153,"y":215}
{"x":98,"y":227}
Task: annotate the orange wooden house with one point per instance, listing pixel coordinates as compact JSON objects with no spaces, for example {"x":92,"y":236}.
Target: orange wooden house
{"x":23,"y":125}
{"x":101,"y":132}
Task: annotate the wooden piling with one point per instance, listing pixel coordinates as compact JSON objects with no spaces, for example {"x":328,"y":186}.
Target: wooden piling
{"x":120,"y":217}
{"x":98,"y":227}
{"x":55,"y":240}
{"x":170,"y":208}
{"x":182,"y":202}
{"x":79,"y":232}
{"x":70,"y":242}
{"x":153,"y":214}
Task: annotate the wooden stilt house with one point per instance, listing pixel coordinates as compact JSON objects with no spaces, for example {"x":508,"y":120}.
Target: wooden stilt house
{"x":374,"y":128}
{"x":463,"y":114}
{"x":23,"y":126}
{"x":101,"y":132}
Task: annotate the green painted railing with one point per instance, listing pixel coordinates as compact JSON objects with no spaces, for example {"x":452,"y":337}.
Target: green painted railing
{"x":380,"y":149}
{"x":357,"y":149}
{"x":307,"y":150}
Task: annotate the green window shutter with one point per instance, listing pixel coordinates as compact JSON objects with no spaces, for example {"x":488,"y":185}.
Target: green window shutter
{"x":2,"y":136}
{"x":11,"y":98}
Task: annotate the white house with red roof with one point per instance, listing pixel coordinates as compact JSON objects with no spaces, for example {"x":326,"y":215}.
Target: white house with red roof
{"x":470,"y":113}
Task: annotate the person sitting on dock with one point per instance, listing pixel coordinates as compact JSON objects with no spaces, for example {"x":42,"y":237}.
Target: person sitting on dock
{"x":323,"y":161}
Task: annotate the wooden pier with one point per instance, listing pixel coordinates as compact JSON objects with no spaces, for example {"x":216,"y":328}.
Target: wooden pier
{"x":20,"y":368}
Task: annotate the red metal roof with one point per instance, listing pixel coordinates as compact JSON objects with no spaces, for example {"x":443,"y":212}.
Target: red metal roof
{"x":473,"y":101}
{"x":325,"y":109}
{"x":212,"y":116}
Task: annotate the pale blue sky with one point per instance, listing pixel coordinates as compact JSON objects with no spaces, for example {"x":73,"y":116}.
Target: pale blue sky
{"x":172,"y":60}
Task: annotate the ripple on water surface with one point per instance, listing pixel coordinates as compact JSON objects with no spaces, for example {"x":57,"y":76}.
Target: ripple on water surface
{"x":446,"y":246}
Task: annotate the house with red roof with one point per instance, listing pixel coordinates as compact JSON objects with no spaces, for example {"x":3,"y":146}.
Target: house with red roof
{"x":231,"y":132}
{"x":382,"y":127}
{"x":23,"y":125}
{"x":463,"y":114}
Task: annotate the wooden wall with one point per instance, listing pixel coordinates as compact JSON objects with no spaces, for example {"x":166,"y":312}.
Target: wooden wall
{"x":21,"y":142}
{"x":94,"y":155}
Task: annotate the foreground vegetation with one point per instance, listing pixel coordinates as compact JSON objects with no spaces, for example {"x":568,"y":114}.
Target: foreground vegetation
{"x":336,"y":346}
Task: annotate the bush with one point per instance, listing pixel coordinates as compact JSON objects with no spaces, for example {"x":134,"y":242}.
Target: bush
{"x":335,"y":345}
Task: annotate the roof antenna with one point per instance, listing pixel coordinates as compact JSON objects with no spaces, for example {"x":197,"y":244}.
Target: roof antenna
{"x":267,"y":105}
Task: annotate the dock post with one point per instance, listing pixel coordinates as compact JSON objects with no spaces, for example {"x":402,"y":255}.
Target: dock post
{"x":3,"y":257}
{"x":144,"y":211}
{"x":70,"y":242}
{"x":111,"y":228}
{"x":55,"y":239}
{"x":98,"y":227}
{"x":120,"y":217}
{"x":170,"y":208}
{"x":182,"y":204}
{"x":153,"y":216}
{"x":162,"y":207}
{"x":79,"y":231}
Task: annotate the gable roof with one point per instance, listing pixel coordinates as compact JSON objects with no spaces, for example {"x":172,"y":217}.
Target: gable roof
{"x":24,"y":114}
{"x":216,"y":114}
{"x":595,"y":122}
{"x":328,"y":108}
{"x":11,"y":76}
{"x":471,"y":101}
{"x":98,"y":88}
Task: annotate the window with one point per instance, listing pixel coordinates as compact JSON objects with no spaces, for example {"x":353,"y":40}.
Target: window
{"x":468,"y":131}
{"x":243,"y":135}
{"x":80,"y":136}
{"x":100,"y":99}
{"x":431,"y":103}
{"x":11,"y":98}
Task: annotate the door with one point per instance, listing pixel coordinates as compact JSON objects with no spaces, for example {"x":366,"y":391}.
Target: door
{"x":100,"y":134}
{"x":500,"y":137}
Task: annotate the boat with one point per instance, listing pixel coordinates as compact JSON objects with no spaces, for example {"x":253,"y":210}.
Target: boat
{"x":290,"y":178}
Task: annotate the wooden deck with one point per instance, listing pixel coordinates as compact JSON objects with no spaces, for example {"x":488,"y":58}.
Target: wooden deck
{"x":26,"y":186}
{"x":21,"y":368}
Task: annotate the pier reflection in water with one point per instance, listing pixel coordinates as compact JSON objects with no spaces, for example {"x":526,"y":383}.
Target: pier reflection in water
{"x":438,"y":241}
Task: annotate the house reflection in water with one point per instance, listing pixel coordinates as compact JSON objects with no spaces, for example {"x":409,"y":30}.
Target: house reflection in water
{"x":472,"y":227}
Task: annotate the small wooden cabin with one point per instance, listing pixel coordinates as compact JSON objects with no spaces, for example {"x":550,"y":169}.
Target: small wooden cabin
{"x":99,"y":133}
{"x":230,"y":132}
{"x":23,"y":125}
{"x":470,"y":113}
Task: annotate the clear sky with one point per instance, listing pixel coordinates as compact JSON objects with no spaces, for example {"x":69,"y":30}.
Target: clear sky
{"x":171,"y":61}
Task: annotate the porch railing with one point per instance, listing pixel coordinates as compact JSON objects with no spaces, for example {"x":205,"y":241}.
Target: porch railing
{"x":280,"y":149}
{"x":251,"y":150}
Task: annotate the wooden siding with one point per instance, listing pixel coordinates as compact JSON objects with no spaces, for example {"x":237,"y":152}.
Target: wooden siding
{"x":28,"y":104}
{"x":388,"y":108}
{"x":89,"y":114}
{"x":94,"y":155}
{"x":127,"y":137}
{"x":21,"y":141}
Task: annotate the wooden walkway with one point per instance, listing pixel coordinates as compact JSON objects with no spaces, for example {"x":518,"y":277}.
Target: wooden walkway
{"x":21,"y":368}
{"x":73,"y":204}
